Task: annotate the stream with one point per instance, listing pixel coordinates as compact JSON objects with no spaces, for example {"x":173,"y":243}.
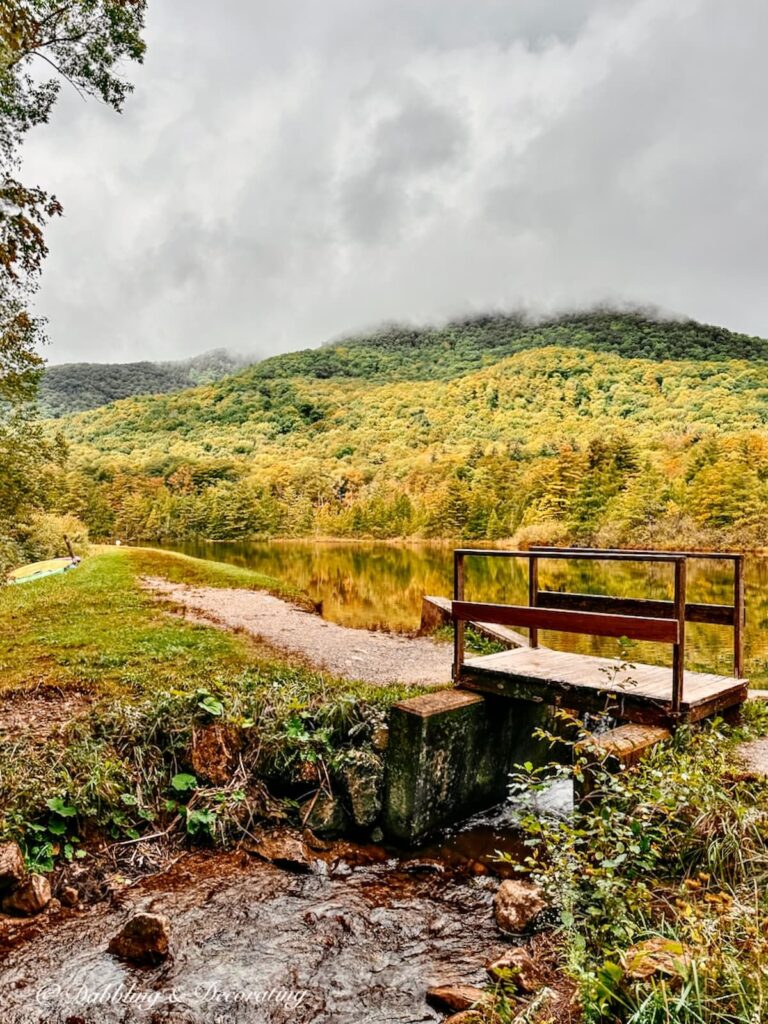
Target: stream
{"x":360,"y":938}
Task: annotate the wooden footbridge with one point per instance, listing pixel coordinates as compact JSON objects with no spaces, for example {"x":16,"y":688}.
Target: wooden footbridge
{"x":647,"y":694}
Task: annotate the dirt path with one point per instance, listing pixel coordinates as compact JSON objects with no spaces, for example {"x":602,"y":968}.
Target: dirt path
{"x":350,"y":653}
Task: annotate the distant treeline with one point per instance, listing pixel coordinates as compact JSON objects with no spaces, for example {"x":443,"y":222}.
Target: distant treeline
{"x":74,"y":387}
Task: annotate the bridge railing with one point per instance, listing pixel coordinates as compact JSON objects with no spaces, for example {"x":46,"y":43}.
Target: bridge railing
{"x":598,"y":614}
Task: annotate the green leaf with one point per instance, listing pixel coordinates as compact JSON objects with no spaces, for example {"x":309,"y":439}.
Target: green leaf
{"x":200,"y":822}
{"x":183,"y":782}
{"x":212,"y":706}
{"x":57,"y":805}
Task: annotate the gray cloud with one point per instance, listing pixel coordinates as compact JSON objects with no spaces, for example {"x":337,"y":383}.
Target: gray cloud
{"x":288,"y":172}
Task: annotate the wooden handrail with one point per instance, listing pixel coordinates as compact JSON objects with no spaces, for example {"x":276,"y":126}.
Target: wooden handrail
{"x":713,"y":614}
{"x":723,"y":556}
{"x":564,"y":553}
{"x":666,"y":631}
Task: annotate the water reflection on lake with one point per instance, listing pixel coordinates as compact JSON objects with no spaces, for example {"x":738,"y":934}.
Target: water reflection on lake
{"x":379,"y":585}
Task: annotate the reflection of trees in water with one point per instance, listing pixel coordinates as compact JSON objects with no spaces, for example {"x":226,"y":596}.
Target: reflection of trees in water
{"x":375,"y":585}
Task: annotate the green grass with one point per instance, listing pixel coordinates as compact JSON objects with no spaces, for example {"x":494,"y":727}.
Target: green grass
{"x":96,"y":629}
{"x":155,"y":679}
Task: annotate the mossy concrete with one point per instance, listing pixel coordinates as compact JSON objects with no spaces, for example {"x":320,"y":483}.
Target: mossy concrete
{"x":450,"y":754}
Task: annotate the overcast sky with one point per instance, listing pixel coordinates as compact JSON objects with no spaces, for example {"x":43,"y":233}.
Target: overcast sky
{"x":287,"y":172}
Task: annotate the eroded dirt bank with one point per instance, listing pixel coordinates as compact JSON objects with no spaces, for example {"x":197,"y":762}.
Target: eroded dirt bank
{"x":349,"y":653}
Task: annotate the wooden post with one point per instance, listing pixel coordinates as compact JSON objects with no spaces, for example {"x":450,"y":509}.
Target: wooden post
{"x":458,"y":625}
{"x":678,"y":664}
{"x":533,"y":589}
{"x":738,"y":616}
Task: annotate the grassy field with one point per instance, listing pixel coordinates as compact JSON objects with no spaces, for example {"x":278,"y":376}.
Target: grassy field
{"x":97,"y":629}
{"x":148,"y":681}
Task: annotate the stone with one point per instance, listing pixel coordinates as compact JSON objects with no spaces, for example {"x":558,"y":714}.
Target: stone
{"x":214,"y":753}
{"x":516,"y":905}
{"x":325,"y":815}
{"x":455,"y":997}
{"x":283,"y":849}
{"x":143,"y":939}
{"x":12,"y":867}
{"x":380,"y":738}
{"x":363,"y":783}
{"x":30,"y":897}
{"x":656,"y":956}
{"x":423,"y":866}
{"x":518,"y":967}
{"x":69,"y":896}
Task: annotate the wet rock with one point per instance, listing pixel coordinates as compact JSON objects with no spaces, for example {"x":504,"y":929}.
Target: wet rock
{"x":325,"y":815}
{"x":517,"y":904}
{"x":341,"y":869}
{"x":455,"y":997}
{"x":284,"y":849}
{"x":29,"y":898}
{"x":656,"y":956}
{"x":425,"y":866}
{"x":363,"y":784}
{"x":214,"y":753}
{"x":69,"y":896}
{"x":518,"y":967}
{"x":12,"y":867}
{"x":143,"y":939}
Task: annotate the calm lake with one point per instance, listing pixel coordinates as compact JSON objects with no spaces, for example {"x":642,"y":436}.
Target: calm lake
{"x":380,"y":586}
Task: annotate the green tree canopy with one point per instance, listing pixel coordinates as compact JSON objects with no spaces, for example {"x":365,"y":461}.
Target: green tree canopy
{"x":44,"y":45}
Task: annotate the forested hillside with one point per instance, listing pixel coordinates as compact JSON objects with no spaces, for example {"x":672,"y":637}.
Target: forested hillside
{"x":609,"y":428}
{"x":409,"y":353}
{"x":73,"y":387}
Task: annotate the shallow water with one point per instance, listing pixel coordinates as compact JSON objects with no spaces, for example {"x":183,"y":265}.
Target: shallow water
{"x":378,"y":585}
{"x":359,"y":939}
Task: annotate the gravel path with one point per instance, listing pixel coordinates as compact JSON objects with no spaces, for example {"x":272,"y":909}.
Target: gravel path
{"x":350,"y":653}
{"x":754,"y":757}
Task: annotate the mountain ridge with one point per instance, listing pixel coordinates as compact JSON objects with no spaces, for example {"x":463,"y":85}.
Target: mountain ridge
{"x":67,"y":388}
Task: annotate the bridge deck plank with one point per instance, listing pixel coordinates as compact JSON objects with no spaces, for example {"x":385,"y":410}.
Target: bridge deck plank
{"x":640,"y":692}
